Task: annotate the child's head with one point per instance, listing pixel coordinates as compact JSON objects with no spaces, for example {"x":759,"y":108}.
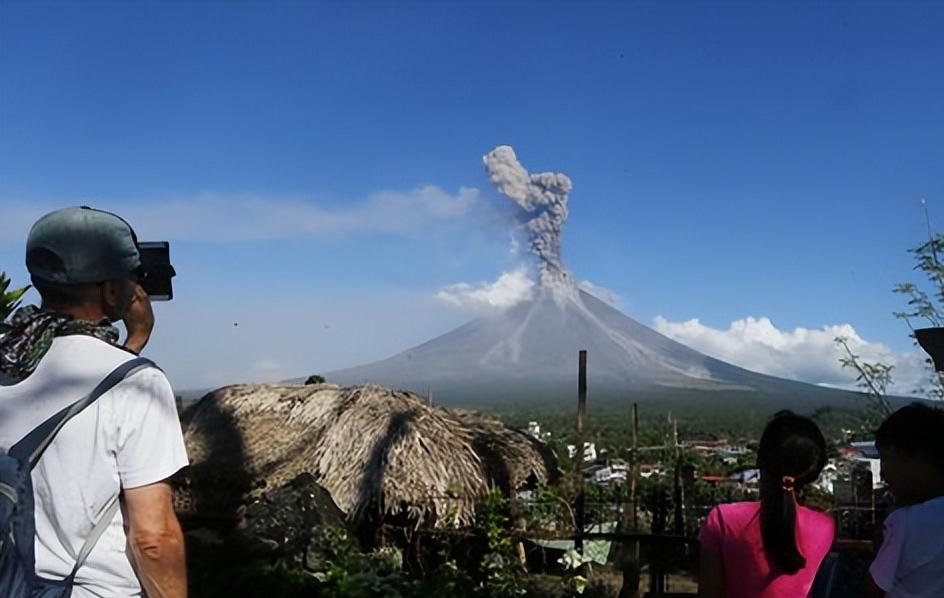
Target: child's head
{"x":911,"y":445}
{"x":792,"y":446}
{"x":792,"y":454}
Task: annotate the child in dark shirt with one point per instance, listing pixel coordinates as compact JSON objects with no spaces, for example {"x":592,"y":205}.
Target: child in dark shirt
{"x":910,"y":562}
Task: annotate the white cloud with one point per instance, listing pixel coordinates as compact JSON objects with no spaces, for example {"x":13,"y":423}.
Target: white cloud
{"x":212,"y":217}
{"x":806,"y":354}
{"x":510,"y":289}
{"x":602,"y":293}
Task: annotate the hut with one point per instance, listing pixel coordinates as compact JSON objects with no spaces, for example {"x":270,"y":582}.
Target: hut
{"x":376,"y":451}
{"x":513,"y":460}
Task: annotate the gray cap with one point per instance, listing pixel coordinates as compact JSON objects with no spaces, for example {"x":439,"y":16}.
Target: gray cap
{"x":81,"y":245}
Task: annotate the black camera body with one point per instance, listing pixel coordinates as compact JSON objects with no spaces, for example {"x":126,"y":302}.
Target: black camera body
{"x":156,"y":271}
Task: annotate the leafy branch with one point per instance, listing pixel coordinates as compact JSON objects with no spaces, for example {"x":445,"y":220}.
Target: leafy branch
{"x":9,"y":300}
{"x":923,"y":305}
{"x":920,"y":304}
{"x":872,"y":378}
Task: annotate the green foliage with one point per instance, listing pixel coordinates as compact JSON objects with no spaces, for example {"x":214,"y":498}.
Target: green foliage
{"x":923,"y":305}
{"x":250,"y":579}
{"x":9,"y":300}
{"x":920,"y":303}
{"x":350,"y":573}
{"x":574,"y":564}
{"x":817,"y":498}
{"x":276,"y":579}
{"x":875,"y":377}
{"x":315,"y":379}
{"x":501,"y":574}
{"x":872,"y":378}
{"x":346,"y":572}
{"x":551,"y":508}
{"x":492,"y":518}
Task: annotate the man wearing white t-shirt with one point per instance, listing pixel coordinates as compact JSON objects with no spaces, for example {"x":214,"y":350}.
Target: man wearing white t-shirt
{"x":910,"y":563}
{"x":84,"y":263}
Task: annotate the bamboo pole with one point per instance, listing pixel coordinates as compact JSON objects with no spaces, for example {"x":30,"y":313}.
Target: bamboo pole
{"x":678,"y":493}
{"x":579,"y":511}
{"x":634,"y":470}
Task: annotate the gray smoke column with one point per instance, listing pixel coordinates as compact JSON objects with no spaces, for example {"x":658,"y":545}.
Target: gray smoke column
{"x":543,"y":200}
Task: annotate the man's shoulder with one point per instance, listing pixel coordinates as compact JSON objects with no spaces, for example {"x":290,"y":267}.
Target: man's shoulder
{"x":93,"y":359}
{"x":92,"y":350}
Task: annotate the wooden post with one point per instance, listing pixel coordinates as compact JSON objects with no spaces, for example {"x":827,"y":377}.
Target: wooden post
{"x":634,"y":470}
{"x":678,"y":495}
{"x":579,"y":514}
{"x":630,"y":549}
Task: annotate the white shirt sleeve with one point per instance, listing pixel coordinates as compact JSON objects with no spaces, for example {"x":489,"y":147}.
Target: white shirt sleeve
{"x":888,"y":565}
{"x":150,"y":444}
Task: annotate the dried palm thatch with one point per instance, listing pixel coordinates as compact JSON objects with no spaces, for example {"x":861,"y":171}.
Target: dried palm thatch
{"x":512,"y":458}
{"x":373,"y":449}
{"x":246,"y":438}
{"x":387,"y":449}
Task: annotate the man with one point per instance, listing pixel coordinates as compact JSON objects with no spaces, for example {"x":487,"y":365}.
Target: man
{"x":83,"y":262}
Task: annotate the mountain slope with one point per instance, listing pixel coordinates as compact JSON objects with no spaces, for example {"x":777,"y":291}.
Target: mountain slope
{"x":531,"y":350}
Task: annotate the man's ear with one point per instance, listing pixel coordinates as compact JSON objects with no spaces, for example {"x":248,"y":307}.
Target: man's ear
{"x":111,"y":296}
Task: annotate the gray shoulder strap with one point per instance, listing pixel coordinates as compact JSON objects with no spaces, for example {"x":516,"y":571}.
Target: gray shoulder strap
{"x":98,"y":529}
{"x":34,"y":444}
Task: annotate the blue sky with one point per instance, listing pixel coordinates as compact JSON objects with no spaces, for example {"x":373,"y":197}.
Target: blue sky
{"x":317,"y":166}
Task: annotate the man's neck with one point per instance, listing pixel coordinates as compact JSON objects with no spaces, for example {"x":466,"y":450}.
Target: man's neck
{"x":87,"y":313}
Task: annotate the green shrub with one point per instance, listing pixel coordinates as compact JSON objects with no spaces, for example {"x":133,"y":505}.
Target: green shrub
{"x":9,"y":300}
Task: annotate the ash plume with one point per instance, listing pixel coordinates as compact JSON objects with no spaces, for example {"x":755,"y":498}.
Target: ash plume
{"x":542,"y":199}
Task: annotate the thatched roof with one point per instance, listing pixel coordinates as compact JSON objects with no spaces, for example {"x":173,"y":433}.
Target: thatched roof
{"x":513,"y":459}
{"x":370,"y":447}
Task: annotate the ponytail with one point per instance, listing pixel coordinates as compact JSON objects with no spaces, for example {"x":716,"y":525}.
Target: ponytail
{"x":792,"y":453}
{"x":778,"y":526}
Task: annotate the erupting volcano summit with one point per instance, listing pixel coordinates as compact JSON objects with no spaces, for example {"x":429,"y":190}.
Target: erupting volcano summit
{"x":530,"y":350}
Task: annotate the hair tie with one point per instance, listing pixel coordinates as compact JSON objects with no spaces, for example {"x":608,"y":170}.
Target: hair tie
{"x":789,"y":483}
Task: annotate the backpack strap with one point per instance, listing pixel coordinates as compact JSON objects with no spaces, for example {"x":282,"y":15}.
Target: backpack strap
{"x":34,"y":444}
{"x":98,"y":529}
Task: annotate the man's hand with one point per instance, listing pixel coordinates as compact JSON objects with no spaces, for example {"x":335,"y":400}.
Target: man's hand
{"x":139,"y":320}
{"x":155,"y":541}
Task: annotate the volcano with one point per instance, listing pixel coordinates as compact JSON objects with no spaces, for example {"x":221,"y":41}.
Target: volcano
{"x":530,"y":352}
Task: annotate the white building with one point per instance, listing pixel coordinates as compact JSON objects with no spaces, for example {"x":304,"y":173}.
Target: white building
{"x":534,"y":429}
{"x":827,"y":479}
{"x":748,"y":476}
{"x":647,"y":471}
{"x":589,"y":451}
{"x":609,"y":474}
{"x":865,"y":452}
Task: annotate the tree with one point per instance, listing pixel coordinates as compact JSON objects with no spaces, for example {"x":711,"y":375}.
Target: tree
{"x":315,"y":379}
{"x":9,"y":300}
{"x":925,"y":306}
{"x":875,"y":378}
{"x":872,"y":378}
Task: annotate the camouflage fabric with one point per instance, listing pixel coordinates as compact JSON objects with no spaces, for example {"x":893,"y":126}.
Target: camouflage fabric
{"x":29,"y":333}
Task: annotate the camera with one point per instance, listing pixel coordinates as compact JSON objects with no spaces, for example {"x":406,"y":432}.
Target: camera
{"x":156,"y":271}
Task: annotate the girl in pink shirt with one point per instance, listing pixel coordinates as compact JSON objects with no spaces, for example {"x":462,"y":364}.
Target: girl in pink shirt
{"x":771,"y":548}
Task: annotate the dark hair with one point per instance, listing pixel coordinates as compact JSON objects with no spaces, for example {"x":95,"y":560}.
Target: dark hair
{"x":60,"y":294}
{"x":916,"y":429}
{"x":792,"y":446}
